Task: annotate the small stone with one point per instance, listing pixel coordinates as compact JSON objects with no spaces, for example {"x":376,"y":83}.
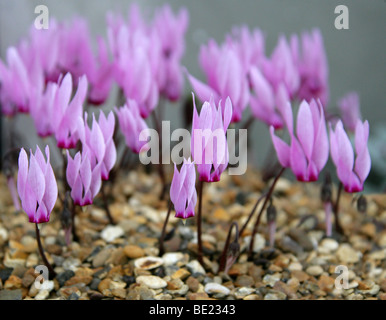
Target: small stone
{"x":110,"y":233}
{"x":148,"y":263}
{"x":314,"y":270}
{"x":295,"y":266}
{"x":100,"y":258}
{"x":198,"y":296}
{"x":3,"y":235}
{"x":78,"y":279}
{"x":13,"y":282}
{"x":258,"y":244}
{"x":271,"y":279}
{"x":216,"y":289}
{"x":242,"y":292}
{"x":181,"y":274}
{"x":252,"y":297}
{"x":193,"y":284}
{"x":244,"y":281}
{"x":195,"y":267}
{"x":275,"y":296}
{"x":133,"y":252}
{"x":326,"y":283}
{"x":71,"y":264}
{"x":119,"y":293}
{"x":347,"y":254}
{"x":300,"y":275}
{"x":171,"y":258}
{"x":330,"y":245}
{"x":42,"y":295}
{"x":152,"y":282}
{"x":5,"y":273}
{"x":64,"y":276}
{"x":11,"y":294}
{"x":32,"y":260}
{"x":27,"y":280}
{"x":301,"y":237}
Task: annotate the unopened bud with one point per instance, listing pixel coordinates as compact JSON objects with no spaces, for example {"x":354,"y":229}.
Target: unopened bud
{"x":271,"y":213}
{"x":326,"y":192}
{"x":362,"y":204}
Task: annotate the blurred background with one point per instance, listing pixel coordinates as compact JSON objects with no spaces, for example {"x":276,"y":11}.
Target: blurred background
{"x":356,"y":56}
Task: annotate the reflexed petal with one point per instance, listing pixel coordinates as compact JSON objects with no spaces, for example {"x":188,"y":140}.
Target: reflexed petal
{"x":282,"y":149}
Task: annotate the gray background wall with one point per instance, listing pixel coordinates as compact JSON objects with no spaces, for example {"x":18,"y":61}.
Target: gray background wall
{"x":356,"y":56}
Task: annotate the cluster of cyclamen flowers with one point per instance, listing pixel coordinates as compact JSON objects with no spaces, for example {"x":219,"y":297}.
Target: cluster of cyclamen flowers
{"x":53,"y":73}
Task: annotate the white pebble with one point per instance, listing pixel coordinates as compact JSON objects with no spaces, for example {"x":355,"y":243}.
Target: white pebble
{"x":110,"y":233}
{"x":152,"y":282}
{"x":215,"y":288}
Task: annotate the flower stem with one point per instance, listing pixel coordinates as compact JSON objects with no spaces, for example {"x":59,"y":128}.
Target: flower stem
{"x":41,"y":251}
{"x":106,"y":205}
{"x":224,"y":254}
{"x":252,"y":212}
{"x":327,"y":209}
{"x":269,"y":195}
{"x":338,"y":226}
{"x":73,"y":227}
{"x":199,"y":218}
{"x":162,"y":238}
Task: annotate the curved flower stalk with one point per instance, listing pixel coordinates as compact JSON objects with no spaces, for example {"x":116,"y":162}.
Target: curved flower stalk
{"x":312,"y":64}
{"x":132,"y":124}
{"x":66,"y":113}
{"x":225,"y":77}
{"x":352,"y":174}
{"x":349,"y":107}
{"x":85,"y":181}
{"x":208,"y":143}
{"x":36,"y":185}
{"x":307,"y":153}
{"x":183,"y":192}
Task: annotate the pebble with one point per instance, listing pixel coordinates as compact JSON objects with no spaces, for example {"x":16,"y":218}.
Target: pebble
{"x":216,"y":289}
{"x":100,"y":258}
{"x":193,"y":284}
{"x":3,"y":235}
{"x":64,"y":276}
{"x":271,"y":279}
{"x":171,"y":258}
{"x":11,"y":294}
{"x":71,"y":264}
{"x":330,"y":245}
{"x":148,"y":263}
{"x":244,"y":281}
{"x":32,"y":260}
{"x":347,"y":254}
{"x":275,"y":296}
{"x":133,"y":252}
{"x":242,"y":292}
{"x":5,"y":273}
{"x":258,"y":244}
{"x":195,"y":267}
{"x":314,"y":270}
{"x":181,"y":274}
{"x":152,"y":282}
{"x":110,"y":233}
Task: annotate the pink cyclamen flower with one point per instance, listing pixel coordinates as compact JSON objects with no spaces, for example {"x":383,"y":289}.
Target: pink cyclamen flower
{"x":85,"y":181}
{"x":36,"y":185}
{"x":352,"y":175}
{"x":170,"y":29}
{"x":225,"y":75}
{"x":97,"y":143}
{"x":312,"y":65}
{"x":132,"y":125}
{"x":66,"y":113}
{"x":350,"y":110}
{"x":183,"y":192}
{"x":307,"y":153}
{"x":263,"y":102}
{"x":280,"y":68}
{"x":15,"y":85}
{"x":209,"y":145}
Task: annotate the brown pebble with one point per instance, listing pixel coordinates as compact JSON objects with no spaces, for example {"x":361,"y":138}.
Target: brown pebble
{"x":77,"y":279}
{"x":244,"y":281}
{"x":133,"y":252}
{"x":181,"y":274}
{"x":198,"y":296}
{"x":326,"y":283}
{"x":300,"y":275}
{"x":104,"y":284}
{"x":286,"y":289}
{"x":382,"y":296}
{"x":193,"y":284}
{"x":13,"y":282}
